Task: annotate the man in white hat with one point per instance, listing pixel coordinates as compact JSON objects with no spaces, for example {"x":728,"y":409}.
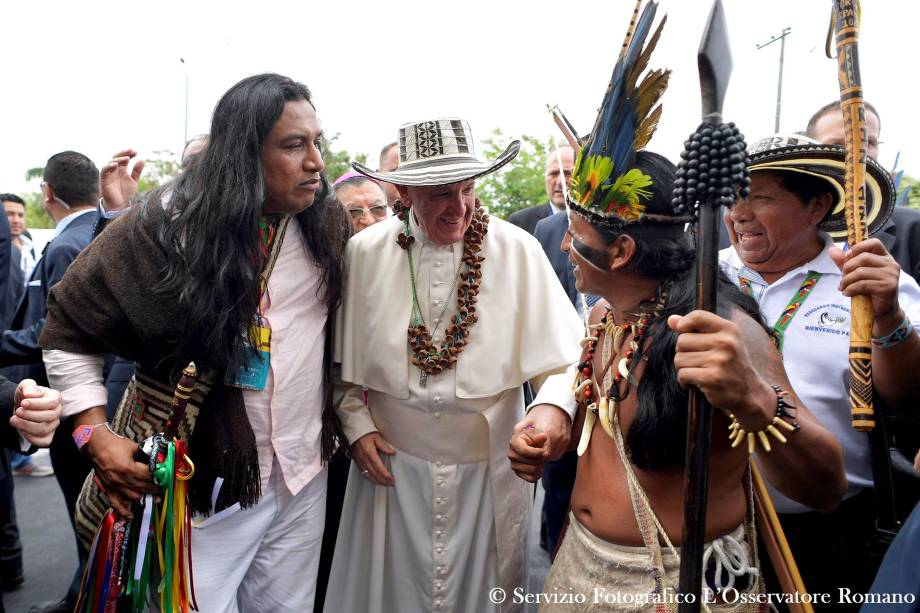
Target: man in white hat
{"x":434,"y":518}
{"x":783,"y":255}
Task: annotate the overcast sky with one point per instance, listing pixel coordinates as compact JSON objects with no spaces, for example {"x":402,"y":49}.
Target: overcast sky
{"x":100,"y":76}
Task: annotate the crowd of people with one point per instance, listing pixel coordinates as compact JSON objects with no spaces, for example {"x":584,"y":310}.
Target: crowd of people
{"x":386,"y":367}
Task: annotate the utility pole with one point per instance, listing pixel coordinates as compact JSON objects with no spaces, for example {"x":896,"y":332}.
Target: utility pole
{"x":779,"y":86}
{"x":185,"y":131}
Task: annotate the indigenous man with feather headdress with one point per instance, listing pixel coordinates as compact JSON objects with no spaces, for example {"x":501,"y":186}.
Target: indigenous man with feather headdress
{"x":644,"y":347}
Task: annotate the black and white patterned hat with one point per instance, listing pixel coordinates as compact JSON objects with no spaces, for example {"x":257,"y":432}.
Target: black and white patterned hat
{"x":438,"y":152}
{"x":795,"y":153}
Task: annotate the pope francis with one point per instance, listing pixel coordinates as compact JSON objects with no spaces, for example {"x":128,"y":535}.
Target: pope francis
{"x":446,"y":314}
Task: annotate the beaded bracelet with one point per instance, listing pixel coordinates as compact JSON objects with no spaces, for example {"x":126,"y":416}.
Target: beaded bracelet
{"x":895,"y":337}
{"x":736,"y":434}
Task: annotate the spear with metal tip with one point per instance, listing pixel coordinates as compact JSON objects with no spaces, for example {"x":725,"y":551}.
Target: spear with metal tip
{"x":712,"y":171}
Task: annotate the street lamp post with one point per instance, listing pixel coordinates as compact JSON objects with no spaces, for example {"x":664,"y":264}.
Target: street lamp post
{"x":779,"y":85}
{"x":185,"y":130}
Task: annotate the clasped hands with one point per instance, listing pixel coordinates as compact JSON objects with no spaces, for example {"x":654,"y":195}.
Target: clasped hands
{"x":710,"y":354}
{"x":37,"y":412}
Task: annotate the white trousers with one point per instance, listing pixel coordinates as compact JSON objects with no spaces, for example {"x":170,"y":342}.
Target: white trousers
{"x":265,"y":558}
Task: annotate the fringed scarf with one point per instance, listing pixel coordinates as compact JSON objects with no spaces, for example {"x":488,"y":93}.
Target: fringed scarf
{"x":102,"y":306}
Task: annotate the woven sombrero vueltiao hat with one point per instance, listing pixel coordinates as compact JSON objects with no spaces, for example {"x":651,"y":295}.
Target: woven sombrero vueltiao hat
{"x":438,"y":152}
{"x":795,"y":153}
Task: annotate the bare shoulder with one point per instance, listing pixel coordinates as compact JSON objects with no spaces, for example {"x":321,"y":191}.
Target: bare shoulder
{"x":598,"y":311}
{"x":765,"y":357}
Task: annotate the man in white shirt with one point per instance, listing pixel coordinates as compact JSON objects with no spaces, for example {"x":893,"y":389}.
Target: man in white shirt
{"x":783,"y":255}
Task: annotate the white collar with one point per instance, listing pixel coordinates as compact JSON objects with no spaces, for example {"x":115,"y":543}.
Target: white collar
{"x":61,"y":225}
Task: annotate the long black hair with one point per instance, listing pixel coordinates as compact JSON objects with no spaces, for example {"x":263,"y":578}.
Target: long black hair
{"x":656,"y":438}
{"x":207,"y":225}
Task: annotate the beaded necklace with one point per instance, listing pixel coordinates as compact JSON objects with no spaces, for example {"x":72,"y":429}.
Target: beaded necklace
{"x":432,"y":359}
{"x":608,"y":387}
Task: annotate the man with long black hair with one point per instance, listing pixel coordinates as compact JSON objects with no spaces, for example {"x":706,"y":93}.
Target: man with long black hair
{"x":237,"y":266}
{"x":643,"y":348}
{"x":631,"y":427}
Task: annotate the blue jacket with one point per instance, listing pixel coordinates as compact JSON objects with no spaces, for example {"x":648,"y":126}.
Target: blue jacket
{"x":549,"y":232}
{"x":19,"y":344}
{"x":529,"y":217}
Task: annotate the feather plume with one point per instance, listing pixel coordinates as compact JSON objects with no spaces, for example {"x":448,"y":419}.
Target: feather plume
{"x":647,"y":128}
{"x":630,"y":29}
{"x":625,"y":123}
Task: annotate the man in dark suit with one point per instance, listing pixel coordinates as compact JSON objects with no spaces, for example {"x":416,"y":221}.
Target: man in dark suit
{"x":19,"y":431}
{"x":549,"y":232}
{"x":29,"y":416}
{"x":70,"y":190}
{"x":529,"y":217}
{"x":553,"y":175}
{"x":559,"y":476}
{"x":11,"y":574}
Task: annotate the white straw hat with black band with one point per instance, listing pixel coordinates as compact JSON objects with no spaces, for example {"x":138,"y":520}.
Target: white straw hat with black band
{"x":795,"y":153}
{"x":438,"y":152}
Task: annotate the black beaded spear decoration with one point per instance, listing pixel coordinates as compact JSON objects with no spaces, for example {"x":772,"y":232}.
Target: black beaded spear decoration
{"x":712,"y":173}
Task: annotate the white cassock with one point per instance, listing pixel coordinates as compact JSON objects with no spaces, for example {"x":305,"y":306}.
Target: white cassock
{"x":455,"y":524}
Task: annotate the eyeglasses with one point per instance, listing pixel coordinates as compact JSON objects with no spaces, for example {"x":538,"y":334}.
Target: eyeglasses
{"x":377,"y":212}
{"x":42,"y":185}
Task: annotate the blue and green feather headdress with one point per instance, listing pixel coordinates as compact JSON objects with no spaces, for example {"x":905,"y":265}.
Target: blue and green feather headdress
{"x":607,"y":187}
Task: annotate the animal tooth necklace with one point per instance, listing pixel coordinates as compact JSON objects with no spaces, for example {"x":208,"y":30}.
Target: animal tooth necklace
{"x":586,"y":386}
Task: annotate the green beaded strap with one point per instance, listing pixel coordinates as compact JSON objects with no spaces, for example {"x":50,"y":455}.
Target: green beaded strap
{"x":789,"y":312}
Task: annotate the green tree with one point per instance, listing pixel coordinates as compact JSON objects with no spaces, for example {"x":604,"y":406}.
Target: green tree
{"x":36,"y":217}
{"x":338,"y":161}
{"x":521,"y":183}
{"x":162,"y":168}
{"x":908,"y":182}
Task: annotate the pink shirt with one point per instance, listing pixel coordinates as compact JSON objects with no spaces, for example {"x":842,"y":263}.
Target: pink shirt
{"x":286,"y":416}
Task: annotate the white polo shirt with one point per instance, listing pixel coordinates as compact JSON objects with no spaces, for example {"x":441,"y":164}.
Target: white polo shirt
{"x":815,"y":352}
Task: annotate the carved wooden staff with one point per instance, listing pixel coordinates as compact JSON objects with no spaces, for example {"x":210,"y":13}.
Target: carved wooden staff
{"x":706,"y":179}
{"x":184,"y":389}
{"x":846,"y":29}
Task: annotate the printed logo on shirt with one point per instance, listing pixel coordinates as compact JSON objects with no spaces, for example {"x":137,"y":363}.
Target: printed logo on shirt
{"x":828,"y":319}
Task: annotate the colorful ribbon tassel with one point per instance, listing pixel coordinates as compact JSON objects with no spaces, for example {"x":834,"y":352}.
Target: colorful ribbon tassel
{"x":136,"y":562}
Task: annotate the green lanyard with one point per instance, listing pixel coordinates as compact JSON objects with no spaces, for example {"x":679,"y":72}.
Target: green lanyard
{"x":785,"y":318}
